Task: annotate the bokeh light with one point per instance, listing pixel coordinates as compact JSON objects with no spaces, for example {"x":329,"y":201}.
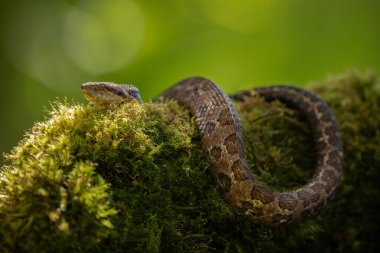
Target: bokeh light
{"x":48,"y":48}
{"x":103,"y":36}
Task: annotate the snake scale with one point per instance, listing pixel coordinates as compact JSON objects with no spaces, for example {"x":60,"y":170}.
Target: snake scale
{"x":222,"y":142}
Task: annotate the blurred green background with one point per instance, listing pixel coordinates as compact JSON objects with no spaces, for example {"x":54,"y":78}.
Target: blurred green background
{"x":48,"y":48}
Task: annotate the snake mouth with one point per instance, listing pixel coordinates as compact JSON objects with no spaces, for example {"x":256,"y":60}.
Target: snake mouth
{"x":88,"y":92}
{"x":87,"y":95}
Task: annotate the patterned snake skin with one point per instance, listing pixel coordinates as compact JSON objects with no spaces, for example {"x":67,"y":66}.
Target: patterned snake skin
{"x":222,"y":142}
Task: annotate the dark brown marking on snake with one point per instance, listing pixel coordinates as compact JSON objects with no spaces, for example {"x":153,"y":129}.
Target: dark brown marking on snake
{"x":216,"y":153}
{"x":287,"y":201}
{"x":305,"y":197}
{"x":320,"y":107}
{"x":246,"y":205}
{"x":239,"y":171}
{"x":315,"y":197}
{"x":224,"y":182}
{"x":317,"y":187}
{"x":262,"y":194}
{"x":225,"y":118}
{"x":318,"y":133}
{"x":232,"y":143}
{"x":321,"y":145}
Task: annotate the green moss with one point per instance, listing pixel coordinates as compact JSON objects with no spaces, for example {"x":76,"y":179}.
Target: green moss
{"x":133,"y":178}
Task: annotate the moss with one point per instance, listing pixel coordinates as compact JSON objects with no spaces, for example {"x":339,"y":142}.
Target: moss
{"x":133,"y":178}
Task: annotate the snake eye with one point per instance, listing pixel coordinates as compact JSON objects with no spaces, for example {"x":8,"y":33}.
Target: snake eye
{"x":135,"y":94}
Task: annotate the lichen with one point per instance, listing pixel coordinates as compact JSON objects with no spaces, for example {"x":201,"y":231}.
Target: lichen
{"x":133,"y":178}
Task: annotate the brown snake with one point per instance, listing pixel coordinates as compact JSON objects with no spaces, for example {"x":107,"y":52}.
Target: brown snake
{"x":222,"y":141}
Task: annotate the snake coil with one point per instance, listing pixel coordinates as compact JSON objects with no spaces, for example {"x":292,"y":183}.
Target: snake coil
{"x":222,"y":142}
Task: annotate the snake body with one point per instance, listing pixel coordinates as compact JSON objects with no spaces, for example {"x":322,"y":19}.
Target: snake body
{"x":222,"y":142}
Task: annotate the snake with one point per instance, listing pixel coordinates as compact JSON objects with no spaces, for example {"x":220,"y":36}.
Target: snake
{"x":222,"y":143}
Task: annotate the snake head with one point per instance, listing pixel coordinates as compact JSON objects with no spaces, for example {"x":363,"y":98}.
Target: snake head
{"x":107,"y":92}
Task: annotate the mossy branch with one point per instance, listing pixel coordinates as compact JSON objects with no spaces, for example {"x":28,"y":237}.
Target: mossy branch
{"x":133,"y":178}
